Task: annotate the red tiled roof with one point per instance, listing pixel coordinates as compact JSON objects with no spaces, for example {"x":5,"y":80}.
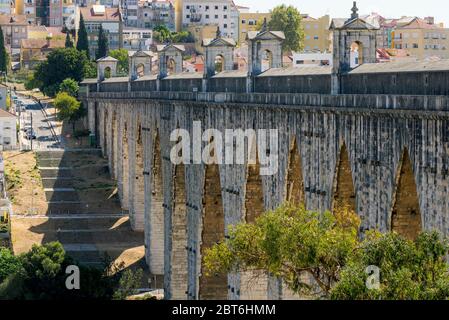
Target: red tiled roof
{"x":42,"y":44}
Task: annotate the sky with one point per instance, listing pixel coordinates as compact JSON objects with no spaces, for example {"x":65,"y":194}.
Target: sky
{"x":342,"y":8}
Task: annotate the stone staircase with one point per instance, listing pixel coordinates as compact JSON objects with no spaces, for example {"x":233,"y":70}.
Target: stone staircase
{"x":84,"y":212}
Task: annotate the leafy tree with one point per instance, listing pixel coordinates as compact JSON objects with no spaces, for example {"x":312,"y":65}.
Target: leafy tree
{"x":289,"y":20}
{"x":9,"y":263}
{"x":31,"y":82}
{"x":408,"y":269}
{"x":128,"y":283}
{"x":60,"y":64}
{"x":68,"y":41}
{"x":82,"y":43}
{"x":161,"y":33}
{"x":3,"y":54}
{"x":123,"y":61}
{"x":69,"y":109}
{"x":290,"y":242}
{"x":69,"y":86}
{"x":102,"y":50}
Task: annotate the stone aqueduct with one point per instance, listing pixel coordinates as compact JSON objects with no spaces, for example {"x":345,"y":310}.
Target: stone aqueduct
{"x":384,"y":154}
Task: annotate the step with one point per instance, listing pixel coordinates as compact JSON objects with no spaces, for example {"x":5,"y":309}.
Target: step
{"x":52,"y":162}
{"x":58,"y":182}
{"x":57,"y":196}
{"x":85,"y":222}
{"x":53,"y":173}
{"x":96,"y":236}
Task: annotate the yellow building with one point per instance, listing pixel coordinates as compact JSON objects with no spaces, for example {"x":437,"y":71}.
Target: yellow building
{"x":248,"y":22}
{"x":18,"y":5}
{"x":178,"y":15}
{"x":202,"y":32}
{"x":422,"y":39}
{"x":317,"y":36}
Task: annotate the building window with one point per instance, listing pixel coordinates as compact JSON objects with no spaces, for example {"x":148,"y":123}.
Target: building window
{"x":225,"y":7}
{"x":187,"y":7}
{"x":415,"y":46}
{"x":315,"y":37}
{"x":225,"y":16}
{"x":207,"y":7}
{"x":207,"y":16}
{"x":216,"y":7}
{"x":243,"y":21}
{"x":225,"y":26}
{"x":216,"y":16}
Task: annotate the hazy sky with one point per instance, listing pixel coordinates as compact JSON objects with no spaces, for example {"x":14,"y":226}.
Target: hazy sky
{"x":342,"y":8}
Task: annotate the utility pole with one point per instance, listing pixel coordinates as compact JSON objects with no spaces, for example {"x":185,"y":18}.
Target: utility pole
{"x":31,"y":131}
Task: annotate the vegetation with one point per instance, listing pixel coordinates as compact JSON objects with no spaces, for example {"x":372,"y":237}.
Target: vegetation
{"x":61,"y":64}
{"x":82,"y":44}
{"x":69,"y":109}
{"x":128,"y":284}
{"x":288,"y":19}
{"x":40,"y":274}
{"x":3,"y":54}
{"x":298,"y":245}
{"x":103,"y":45}
{"x":68,"y":41}
{"x":123,"y":61}
{"x":162,"y":34}
{"x":69,"y":86}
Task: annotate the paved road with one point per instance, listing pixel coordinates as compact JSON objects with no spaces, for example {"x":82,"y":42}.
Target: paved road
{"x":45,"y":139}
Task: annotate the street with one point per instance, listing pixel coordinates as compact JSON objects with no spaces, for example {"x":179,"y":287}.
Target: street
{"x":34,"y":116}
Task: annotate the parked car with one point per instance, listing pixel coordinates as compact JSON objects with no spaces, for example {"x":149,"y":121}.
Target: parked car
{"x":30,"y":135}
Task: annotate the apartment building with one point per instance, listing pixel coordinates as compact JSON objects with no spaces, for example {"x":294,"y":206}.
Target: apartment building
{"x":68,"y":13}
{"x":422,"y":39}
{"x":222,"y":13}
{"x":34,"y":51}
{"x":130,"y":12}
{"x":6,"y":7}
{"x":14,"y":29}
{"x":317,"y":37}
{"x":137,"y":38}
{"x":248,"y":22}
{"x":154,"y":13}
{"x":55,"y":13}
{"x":111,"y":21}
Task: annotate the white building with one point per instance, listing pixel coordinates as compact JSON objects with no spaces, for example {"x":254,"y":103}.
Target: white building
{"x":313,"y":58}
{"x":223,"y":13}
{"x":3,"y":96}
{"x":8,"y":134}
{"x":136,"y":38}
{"x":5,"y":7}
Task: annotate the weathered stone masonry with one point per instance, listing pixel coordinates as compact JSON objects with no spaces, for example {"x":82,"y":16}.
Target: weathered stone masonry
{"x":392,"y":148}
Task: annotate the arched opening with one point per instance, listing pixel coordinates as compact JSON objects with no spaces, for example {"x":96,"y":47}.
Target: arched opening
{"x":406,"y":215}
{"x":295,"y":182}
{"x":171,"y":65}
{"x":156,"y":241}
{"x":267,"y":60}
{"x":125,"y":168}
{"x":212,"y":287}
{"x":356,"y":54}
{"x":138,"y":190}
{"x":253,"y":284}
{"x":140,"y":70}
{"x":344,"y":193}
{"x":179,"y":236}
{"x":114,"y":149}
{"x":219,"y":63}
{"x":107,"y":72}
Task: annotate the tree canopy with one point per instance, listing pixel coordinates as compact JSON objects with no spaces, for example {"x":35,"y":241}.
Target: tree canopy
{"x":123,"y":61}
{"x":103,"y":46}
{"x":69,"y":86}
{"x":288,"y":19}
{"x":61,"y":64}
{"x":321,"y":255}
{"x":3,"y":53}
{"x":82,"y":43}
{"x":68,"y":41}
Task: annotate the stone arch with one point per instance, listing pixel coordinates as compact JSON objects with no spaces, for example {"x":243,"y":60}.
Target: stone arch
{"x":212,"y":287}
{"x":139,"y":186}
{"x":125,"y":168}
{"x":220,"y":63}
{"x":267,"y":60}
{"x":406,"y":214}
{"x":295,"y":182}
{"x":179,"y":236}
{"x":156,"y":240}
{"x":356,"y":53}
{"x":253,"y":284}
{"x":114,"y":147}
{"x":171,"y":65}
{"x":343,"y":191}
{"x":140,"y":70}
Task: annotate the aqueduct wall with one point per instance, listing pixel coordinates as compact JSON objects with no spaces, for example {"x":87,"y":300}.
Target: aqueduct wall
{"x":388,"y":156}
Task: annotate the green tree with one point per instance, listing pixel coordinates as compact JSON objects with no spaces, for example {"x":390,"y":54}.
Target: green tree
{"x":3,"y":54}
{"x":60,"y":64}
{"x":123,"y":61}
{"x":288,"y":19}
{"x":408,"y":269}
{"x":290,"y":242}
{"x":69,"y":109}
{"x":103,"y":49}
{"x":68,"y":41}
{"x":128,"y":283}
{"x":9,"y":264}
{"x":31,"y":82}
{"x":82,"y":44}
{"x":162,"y":34}
{"x":69,"y":86}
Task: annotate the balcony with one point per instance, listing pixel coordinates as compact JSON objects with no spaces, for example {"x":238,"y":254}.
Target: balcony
{"x":195,"y":17}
